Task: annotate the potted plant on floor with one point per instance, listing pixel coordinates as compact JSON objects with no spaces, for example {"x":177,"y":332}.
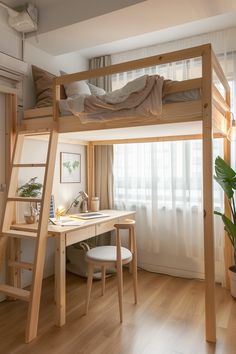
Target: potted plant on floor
{"x":226,"y":177}
{"x":31,"y":189}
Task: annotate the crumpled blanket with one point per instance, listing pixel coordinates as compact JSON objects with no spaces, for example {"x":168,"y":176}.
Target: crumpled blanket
{"x":140,"y":97}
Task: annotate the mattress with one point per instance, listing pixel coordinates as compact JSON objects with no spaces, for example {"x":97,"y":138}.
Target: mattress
{"x":190,"y":95}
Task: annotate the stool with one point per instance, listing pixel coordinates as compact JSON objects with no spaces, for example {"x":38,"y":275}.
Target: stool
{"x":114,"y":256}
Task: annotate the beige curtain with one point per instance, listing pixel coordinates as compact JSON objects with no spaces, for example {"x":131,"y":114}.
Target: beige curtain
{"x":103,"y":172}
{"x":103,"y":156}
{"x":103,"y":81}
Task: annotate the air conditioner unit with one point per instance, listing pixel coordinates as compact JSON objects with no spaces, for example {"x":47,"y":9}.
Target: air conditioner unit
{"x":23,"y":21}
{"x":13,"y":67}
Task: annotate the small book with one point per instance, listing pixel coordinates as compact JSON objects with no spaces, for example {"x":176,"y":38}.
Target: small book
{"x":66,"y":221}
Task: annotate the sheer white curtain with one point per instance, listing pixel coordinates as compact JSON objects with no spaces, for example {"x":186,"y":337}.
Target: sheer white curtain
{"x":163,"y":181}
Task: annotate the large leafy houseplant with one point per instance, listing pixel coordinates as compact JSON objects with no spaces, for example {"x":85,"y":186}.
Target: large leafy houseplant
{"x":226,"y":177}
{"x":31,"y":189}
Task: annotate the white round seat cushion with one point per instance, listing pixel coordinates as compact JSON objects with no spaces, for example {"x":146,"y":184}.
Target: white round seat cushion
{"x":108,"y":254}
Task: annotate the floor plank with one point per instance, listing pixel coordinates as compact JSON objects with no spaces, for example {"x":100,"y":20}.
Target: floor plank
{"x":169,"y":319}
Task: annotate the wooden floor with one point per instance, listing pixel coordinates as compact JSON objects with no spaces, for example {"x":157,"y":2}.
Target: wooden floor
{"x":169,"y":319}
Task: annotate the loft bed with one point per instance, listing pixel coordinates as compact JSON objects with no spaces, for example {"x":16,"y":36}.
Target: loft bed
{"x":179,"y":112}
{"x":210,"y":114}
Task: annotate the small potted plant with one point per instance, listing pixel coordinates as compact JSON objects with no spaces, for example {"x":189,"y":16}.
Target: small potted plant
{"x":226,"y":177}
{"x":31,"y":189}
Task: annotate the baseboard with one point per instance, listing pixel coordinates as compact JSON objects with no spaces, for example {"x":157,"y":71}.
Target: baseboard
{"x":176,"y":272}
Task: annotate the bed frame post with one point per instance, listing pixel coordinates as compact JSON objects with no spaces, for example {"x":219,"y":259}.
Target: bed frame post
{"x":56,"y":99}
{"x":209,"y":257}
{"x":13,"y":275}
{"x":228,"y":256}
{"x":90,"y":172}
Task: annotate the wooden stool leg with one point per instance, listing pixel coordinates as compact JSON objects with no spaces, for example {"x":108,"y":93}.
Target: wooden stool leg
{"x":119,"y":269}
{"x":89,"y":286}
{"x":134,"y":266}
{"x":103,"y":279}
{"x":131,"y":247}
{"x":120,"y":290}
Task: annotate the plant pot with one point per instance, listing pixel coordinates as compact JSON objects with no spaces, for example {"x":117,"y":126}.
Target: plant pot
{"x":30,"y":219}
{"x":232,"y":277}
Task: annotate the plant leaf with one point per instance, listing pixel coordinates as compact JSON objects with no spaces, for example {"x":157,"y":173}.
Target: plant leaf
{"x":30,"y":189}
{"x":226,"y":186}
{"x":225,"y":176}
{"x":230,"y":227}
{"x":233,"y":182}
{"x":217,"y":213}
{"x":223,"y":170}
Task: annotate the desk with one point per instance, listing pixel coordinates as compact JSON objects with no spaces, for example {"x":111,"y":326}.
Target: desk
{"x":68,"y":235}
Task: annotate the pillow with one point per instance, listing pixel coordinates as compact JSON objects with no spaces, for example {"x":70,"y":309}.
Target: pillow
{"x":95,"y":90}
{"x":76,"y":88}
{"x":43,"y":82}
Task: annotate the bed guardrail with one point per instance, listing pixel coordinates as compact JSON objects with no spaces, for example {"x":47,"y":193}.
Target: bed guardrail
{"x":134,"y":65}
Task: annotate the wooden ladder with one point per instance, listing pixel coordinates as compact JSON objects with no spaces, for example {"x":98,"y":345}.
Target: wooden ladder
{"x":39,"y":236}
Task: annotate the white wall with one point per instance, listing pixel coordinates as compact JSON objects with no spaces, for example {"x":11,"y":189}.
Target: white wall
{"x":69,"y":62}
{"x":222,"y":41}
{"x":34,"y":151}
{"x":11,"y":44}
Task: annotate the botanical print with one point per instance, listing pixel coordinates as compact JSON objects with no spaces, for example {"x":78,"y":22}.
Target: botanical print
{"x":70,"y":167}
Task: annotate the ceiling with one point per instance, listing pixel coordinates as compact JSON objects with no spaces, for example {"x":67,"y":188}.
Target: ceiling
{"x":115,"y":26}
{"x":54,"y":14}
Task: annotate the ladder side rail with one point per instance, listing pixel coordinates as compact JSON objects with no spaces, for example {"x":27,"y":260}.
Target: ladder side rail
{"x":40,"y":249}
{"x":12,"y":186}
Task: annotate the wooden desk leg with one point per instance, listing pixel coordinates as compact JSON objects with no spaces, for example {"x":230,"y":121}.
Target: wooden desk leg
{"x":60,"y":280}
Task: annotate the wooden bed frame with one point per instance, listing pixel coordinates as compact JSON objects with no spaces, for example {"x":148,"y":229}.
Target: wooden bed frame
{"x":213,"y":110}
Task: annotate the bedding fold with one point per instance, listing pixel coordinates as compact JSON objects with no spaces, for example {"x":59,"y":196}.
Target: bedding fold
{"x":140,"y":97}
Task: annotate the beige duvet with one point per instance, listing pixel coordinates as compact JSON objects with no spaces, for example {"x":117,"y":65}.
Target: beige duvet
{"x":143,"y":98}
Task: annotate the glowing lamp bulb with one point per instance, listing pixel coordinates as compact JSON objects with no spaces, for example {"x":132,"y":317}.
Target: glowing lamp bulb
{"x":232,"y":131}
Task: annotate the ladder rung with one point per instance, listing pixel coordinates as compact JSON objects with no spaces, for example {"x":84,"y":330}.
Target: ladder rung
{"x":24,"y":199}
{"x":29,"y":165}
{"x":42,"y":131}
{"x":20,"y":234}
{"x":21,"y":265}
{"x":15,"y":292}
